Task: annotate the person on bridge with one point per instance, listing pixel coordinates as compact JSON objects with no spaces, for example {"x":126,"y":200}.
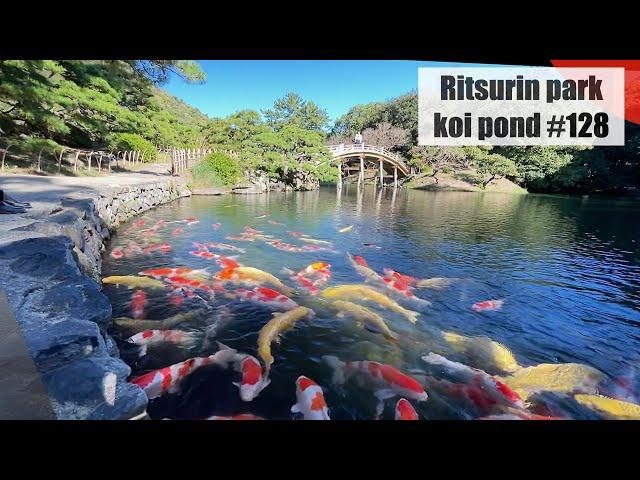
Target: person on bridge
{"x":10,"y":205}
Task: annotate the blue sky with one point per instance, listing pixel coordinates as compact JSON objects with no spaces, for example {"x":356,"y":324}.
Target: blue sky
{"x":335,"y":85}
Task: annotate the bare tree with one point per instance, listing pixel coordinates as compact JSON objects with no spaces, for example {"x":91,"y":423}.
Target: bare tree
{"x":385,"y":135}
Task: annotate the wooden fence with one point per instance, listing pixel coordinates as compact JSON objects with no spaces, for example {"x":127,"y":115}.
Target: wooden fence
{"x":182,"y":158}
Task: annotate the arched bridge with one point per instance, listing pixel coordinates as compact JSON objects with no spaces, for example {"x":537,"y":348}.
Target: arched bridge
{"x":360,"y":157}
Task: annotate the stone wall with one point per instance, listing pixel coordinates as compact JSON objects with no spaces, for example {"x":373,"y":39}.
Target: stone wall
{"x":50,"y":269}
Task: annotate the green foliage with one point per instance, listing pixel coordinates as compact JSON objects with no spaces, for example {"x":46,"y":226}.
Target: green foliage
{"x":132,"y":141}
{"x":293,"y":110}
{"x":83,"y":103}
{"x":216,"y":170}
{"x":493,"y":165}
{"x":289,"y":139}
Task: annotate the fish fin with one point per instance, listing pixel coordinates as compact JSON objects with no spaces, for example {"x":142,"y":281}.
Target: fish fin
{"x":338,"y":368}
{"x":295,"y":408}
{"x":384,"y":394}
{"x":143,"y":351}
{"x":237,"y":384}
{"x":222,"y":346}
{"x":287,"y":271}
{"x":412,"y":316}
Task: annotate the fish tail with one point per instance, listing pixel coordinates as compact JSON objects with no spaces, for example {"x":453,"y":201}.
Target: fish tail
{"x":411,"y":315}
{"x":338,"y":368}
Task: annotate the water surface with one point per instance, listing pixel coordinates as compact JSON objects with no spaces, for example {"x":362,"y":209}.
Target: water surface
{"x":568,"y":270}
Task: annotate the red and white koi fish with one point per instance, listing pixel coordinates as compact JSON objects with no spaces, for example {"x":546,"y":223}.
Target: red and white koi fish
{"x":297,"y":234}
{"x":386,"y":380}
{"x":168,"y":379}
{"x":191,"y":220}
{"x":405,"y":411}
{"x":165,"y":248}
{"x":225,"y":246}
{"x":310,"y":400}
{"x":177,"y":231}
{"x":317,"y":248}
{"x":266,"y":296}
{"x":138,"y":224}
{"x":411,"y":281}
{"x":206,"y":254}
{"x":181,"y":281}
{"x":286,"y":247}
{"x":150,"y":337}
{"x":487,"y":305}
{"x":241,"y":416}
{"x":240,"y":238}
{"x":252,"y":382}
{"x":160,"y":223}
{"x":117,"y":253}
{"x":138,"y":302}
{"x":483,"y":386}
{"x":361,"y":266}
{"x":228,"y":262}
{"x":318,"y":270}
{"x":151,"y":248}
{"x":172,"y":272}
{"x":216,"y":225}
{"x":273,"y":222}
{"x":401,"y":288}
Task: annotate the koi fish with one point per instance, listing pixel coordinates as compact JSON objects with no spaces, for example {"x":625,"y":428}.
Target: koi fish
{"x":310,"y":400}
{"x":401,"y":288}
{"x":133,"y":325}
{"x":297,"y":234}
{"x":225,"y":246}
{"x":436,"y":283}
{"x":371,"y":245}
{"x":273,"y":222}
{"x":177,"y":231}
{"x":165,"y":248}
{"x":360,"y":265}
{"x":317,"y":248}
{"x":252,"y":382}
{"x":169,"y":379}
{"x":138,"y":224}
{"x":479,"y":380}
{"x":241,"y":416}
{"x":487,"y":305}
{"x":172,"y":272}
{"x":228,"y":262}
{"x":240,"y":238}
{"x":274,"y":328}
{"x":363,"y":316}
{"x":206,"y":254}
{"x":264,"y":215}
{"x":346,"y":229}
{"x":267,"y":297}
{"x":132,"y":249}
{"x":611,"y":407}
{"x":216,"y":225}
{"x":286,"y":247}
{"x":181,"y":281}
{"x":315,"y":241}
{"x":485,"y":349}
{"x":362,"y":292}
{"x":138,"y":302}
{"x":386,"y":380}
{"x":398,"y":276}
{"x":191,"y":220}
{"x":260,"y":276}
{"x":405,"y":411}
{"x":151,"y":337}
{"x":117,"y":253}
{"x":567,"y":378}
{"x":132,"y":281}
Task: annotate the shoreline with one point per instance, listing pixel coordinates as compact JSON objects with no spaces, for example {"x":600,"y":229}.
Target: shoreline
{"x":50,"y":263}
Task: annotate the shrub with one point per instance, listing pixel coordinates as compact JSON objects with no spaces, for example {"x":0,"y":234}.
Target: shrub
{"x":216,"y":170}
{"x":133,"y":141}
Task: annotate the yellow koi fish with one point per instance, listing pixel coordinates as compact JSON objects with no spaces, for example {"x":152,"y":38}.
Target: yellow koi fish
{"x":610,"y":406}
{"x":133,"y":325}
{"x":554,"y":377}
{"x":346,"y":229}
{"x":271,"y":332}
{"x":362,"y":315}
{"x":260,"y":276}
{"x":436,"y":283}
{"x":362,"y":292}
{"x":484,"y":349}
{"x":132,"y":281}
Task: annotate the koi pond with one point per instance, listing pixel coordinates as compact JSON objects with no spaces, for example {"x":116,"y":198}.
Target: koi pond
{"x":465,"y":305}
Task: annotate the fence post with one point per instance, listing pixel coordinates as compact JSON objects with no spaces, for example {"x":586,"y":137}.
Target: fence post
{"x":40,"y":159}
{"x":100,"y":163}
{"x":89,"y":159}
{"x":4,"y":154}
{"x":60,"y":159}
{"x":75,"y":163}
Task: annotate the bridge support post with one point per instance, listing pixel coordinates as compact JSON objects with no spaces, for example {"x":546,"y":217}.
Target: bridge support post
{"x":361,"y":176}
{"x":395,"y":177}
{"x":381,"y":175}
{"x":339,"y":175}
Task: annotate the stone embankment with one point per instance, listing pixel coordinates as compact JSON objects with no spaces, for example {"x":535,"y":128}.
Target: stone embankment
{"x":50,"y":266}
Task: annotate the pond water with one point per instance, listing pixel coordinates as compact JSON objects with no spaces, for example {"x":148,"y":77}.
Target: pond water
{"x":568,"y":270}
